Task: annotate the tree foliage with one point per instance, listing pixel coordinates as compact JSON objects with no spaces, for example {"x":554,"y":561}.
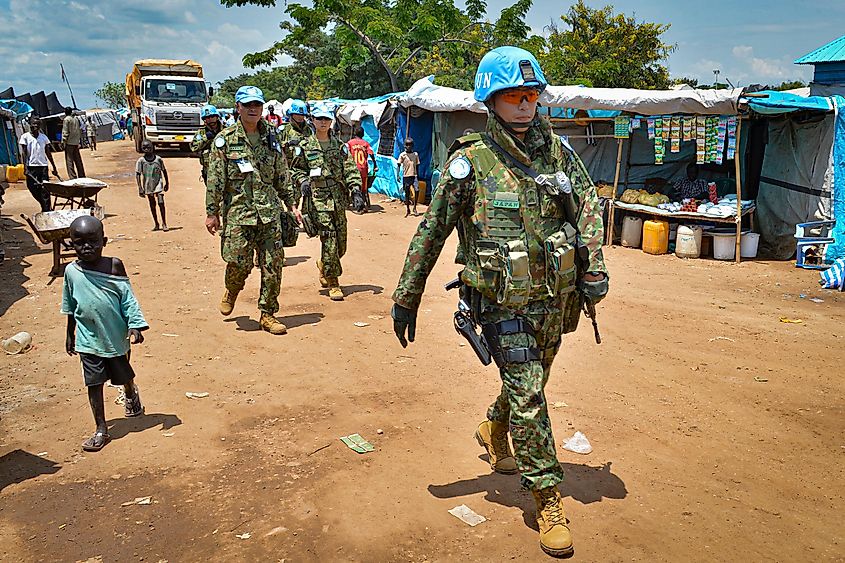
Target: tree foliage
{"x":363,"y":48}
{"x":606,"y":49}
{"x":112,"y":94}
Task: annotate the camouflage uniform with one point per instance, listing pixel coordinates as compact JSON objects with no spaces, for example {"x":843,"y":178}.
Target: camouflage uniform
{"x":249,"y":205}
{"x":547,"y":312}
{"x":290,"y":131}
{"x":331,"y":189}
{"x":201,"y":145}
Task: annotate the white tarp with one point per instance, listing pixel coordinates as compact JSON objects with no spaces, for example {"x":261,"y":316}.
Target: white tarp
{"x":427,"y":95}
{"x":643,"y":102}
{"x":354,"y":112}
{"x":106,"y":121}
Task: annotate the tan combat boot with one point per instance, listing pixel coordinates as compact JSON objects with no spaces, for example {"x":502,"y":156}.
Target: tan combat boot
{"x":227,"y":304}
{"x":555,"y":537}
{"x":493,"y":436}
{"x":271,"y":324}
{"x":335,"y":293}
{"x":323,"y":281}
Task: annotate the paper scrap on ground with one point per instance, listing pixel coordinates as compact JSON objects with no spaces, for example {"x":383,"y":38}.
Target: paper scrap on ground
{"x":170,"y":335}
{"x":361,"y":324}
{"x":578,"y":444}
{"x":467,"y":515}
{"x":759,"y":379}
{"x":559,"y":404}
{"x":791,"y":321}
{"x":817,"y":300}
{"x":192,"y":395}
{"x":244,"y":536}
{"x":357,"y":443}
{"x":138,"y":500}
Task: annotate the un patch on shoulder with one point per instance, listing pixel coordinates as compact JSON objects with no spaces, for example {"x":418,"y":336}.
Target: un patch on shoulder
{"x":219,"y":142}
{"x":460,"y":168}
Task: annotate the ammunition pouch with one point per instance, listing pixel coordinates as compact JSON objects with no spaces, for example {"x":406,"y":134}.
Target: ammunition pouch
{"x":505,"y":272}
{"x":502,"y":356}
{"x":561,"y":261}
{"x":309,"y":218}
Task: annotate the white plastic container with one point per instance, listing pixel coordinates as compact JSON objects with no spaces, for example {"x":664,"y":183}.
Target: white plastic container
{"x":17,"y":344}
{"x":632,"y":232}
{"x":748,"y":245}
{"x":688,"y":244}
{"x":724,"y":246}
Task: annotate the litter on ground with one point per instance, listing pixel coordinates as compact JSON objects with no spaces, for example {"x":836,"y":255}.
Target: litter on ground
{"x":578,"y":443}
{"x":467,"y":515}
{"x":357,"y":443}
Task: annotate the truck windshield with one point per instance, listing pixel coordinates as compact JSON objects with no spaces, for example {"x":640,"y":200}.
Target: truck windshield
{"x":174,"y":90}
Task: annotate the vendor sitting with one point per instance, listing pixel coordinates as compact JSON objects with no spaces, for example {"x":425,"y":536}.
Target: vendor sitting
{"x":690,"y":187}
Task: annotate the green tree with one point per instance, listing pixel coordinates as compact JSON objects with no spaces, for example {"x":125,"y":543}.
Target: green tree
{"x":790,"y":85}
{"x":392,"y":32}
{"x":606,"y":49}
{"x":112,"y":94}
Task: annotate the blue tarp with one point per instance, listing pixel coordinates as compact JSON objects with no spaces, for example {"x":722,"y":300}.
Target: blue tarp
{"x":783,"y":102}
{"x":837,"y":249}
{"x":20,"y":109}
{"x":421,"y":133}
{"x":8,"y":139}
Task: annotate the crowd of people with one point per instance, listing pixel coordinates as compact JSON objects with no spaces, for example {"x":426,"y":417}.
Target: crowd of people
{"x":530,"y":242}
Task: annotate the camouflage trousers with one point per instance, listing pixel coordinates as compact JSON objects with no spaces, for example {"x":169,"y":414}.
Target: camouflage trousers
{"x":332,"y":225}
{"x":240,"y":243}
{"x":522,"y":401}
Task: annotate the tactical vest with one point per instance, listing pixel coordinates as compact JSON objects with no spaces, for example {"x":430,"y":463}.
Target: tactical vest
{"x":519,"y":245}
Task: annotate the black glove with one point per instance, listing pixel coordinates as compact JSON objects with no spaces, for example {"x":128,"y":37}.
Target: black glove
{"x":404,"y":318}
{"x":305,"y":188}
{"x":595,"y":291}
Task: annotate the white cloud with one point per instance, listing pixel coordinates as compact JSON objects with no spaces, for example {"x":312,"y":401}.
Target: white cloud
{"x":98,"y":40}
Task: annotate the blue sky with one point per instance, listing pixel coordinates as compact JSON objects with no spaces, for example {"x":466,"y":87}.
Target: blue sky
{"x":97,"y":40}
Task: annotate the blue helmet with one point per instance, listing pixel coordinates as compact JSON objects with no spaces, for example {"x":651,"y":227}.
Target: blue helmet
{"x":322,"y":110}
{"x":208,"y":110}
{"x":507,"y":67}
{"x":297,"y":107}
{"x":246,"y":94}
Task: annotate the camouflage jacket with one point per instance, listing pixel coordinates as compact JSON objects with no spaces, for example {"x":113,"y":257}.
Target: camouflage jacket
{"x":453,"y":204}
{"x":242,"y":197}
{"x":201,"y":144}
{"x":333,"y":166}
{"x":288,"y":132}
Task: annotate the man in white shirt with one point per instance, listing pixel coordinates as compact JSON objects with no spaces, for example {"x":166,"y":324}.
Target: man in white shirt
{"x":36,"y":151}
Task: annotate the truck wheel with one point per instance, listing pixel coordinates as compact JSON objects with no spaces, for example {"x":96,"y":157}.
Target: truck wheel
{"x":139,"y":138}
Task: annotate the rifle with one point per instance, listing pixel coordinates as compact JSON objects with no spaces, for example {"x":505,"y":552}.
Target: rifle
{"x":465,"y":325}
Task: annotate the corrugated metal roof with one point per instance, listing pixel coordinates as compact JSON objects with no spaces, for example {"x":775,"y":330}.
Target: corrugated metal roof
{"x":830,"y":53}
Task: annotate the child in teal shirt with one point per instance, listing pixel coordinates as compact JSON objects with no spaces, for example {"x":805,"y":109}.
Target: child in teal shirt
{"x":103,"y":319}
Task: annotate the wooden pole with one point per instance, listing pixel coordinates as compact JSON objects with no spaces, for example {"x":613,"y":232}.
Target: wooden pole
{"x":613,"y":195}
{"x":737,"y":167}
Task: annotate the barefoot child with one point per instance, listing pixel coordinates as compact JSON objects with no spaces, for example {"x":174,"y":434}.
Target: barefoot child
{"x":99,"y":302}
{"x":151,"y":176}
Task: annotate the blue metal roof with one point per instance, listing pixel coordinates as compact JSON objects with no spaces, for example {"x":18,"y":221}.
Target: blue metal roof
{"x":831,"y":53}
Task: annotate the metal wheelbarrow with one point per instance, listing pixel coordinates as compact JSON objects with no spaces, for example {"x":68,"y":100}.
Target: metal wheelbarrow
{"x":54,"y":227}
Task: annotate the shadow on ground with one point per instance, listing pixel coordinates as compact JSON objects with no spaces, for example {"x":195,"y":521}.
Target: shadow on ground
{"x":18,"y":243}
{"x":291,"y":321}
{"x":18,"y":466}
{"x":294,"y":260}
{"x":121,"y":427}
{"x":583,"y":483}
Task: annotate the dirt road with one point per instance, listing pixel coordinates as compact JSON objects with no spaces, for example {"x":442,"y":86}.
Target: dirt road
{"x":717,"y":429}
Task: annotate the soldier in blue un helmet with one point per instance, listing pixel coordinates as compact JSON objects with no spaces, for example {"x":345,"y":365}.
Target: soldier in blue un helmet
{"x":201,"y":143}
{"x":530,"y":236}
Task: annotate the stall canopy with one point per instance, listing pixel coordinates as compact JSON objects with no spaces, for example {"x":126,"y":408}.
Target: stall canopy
{"x":643,"y":102}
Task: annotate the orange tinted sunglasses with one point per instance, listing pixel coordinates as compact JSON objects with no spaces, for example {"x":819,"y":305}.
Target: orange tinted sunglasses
{"x":516,"y":95}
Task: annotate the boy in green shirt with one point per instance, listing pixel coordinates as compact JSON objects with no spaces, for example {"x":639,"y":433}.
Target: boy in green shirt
{"x":103,"y":319}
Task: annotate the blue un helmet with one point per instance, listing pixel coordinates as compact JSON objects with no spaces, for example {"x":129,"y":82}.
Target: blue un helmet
{"x":507,"y":67}
{"x":322,"y":110}
{"x":297,"y":107}
{"x":209,"y":110}
{"x":246,"y":94}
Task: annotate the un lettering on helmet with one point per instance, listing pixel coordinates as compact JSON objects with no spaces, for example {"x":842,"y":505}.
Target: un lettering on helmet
{"x":482,"y":79}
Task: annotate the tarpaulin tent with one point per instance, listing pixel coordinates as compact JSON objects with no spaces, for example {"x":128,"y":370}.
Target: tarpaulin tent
{"x":106,"y":121}
{"x":11,"y":114}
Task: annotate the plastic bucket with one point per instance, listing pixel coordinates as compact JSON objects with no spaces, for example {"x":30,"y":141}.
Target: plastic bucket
{"x":724,"y":246}
{"x":748,"y":245}
{"x":15,"y":173}
{"x":17,"y":344}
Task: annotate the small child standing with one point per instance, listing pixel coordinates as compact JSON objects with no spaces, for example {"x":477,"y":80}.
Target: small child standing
{"x":151,"y":176}
{"x":408,"y":162}
{"x":103,"y":319}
